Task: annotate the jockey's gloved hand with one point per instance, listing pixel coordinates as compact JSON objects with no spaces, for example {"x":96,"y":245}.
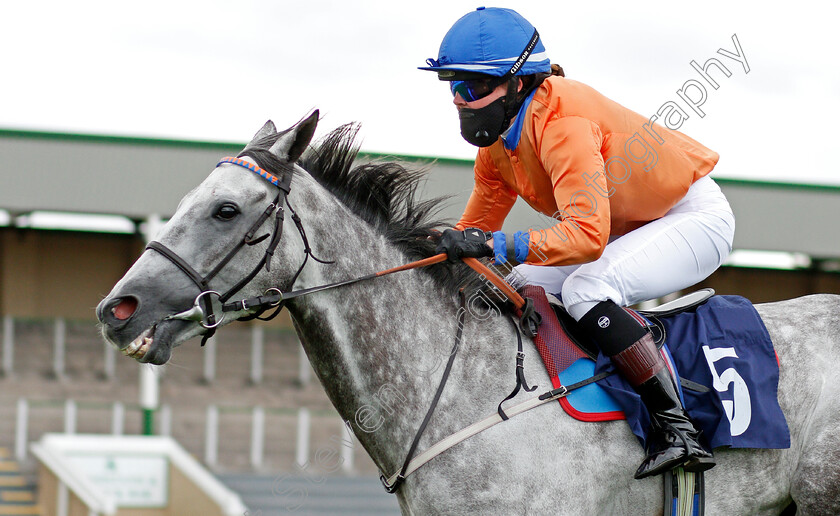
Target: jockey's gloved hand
{"x":470,"y":243}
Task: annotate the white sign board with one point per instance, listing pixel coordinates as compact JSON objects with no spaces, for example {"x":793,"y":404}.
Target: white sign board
{"x":130,"y":480}
{"x":107,"y":472}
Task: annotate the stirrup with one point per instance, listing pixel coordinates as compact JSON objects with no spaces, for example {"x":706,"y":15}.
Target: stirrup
{"x":646,"y":468}
{"x":693,"y":459}
{"x":698,"y":459}
{"x":699,"y":464}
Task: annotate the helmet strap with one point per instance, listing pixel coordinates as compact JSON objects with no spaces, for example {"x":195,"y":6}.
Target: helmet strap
{"x":511,"y":104}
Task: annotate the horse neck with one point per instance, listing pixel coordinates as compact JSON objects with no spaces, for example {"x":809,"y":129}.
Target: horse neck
{"x":378,"y":346}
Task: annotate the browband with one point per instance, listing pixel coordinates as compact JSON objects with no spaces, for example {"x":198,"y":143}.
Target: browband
{"x":271,"y":178}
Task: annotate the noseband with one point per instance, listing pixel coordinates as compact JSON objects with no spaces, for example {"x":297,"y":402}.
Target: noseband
{"x":202,"y":312}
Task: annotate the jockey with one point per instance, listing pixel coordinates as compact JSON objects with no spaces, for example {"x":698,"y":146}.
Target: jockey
{"x":635,"y":215}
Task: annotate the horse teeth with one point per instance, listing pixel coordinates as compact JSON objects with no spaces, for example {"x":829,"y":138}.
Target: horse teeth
{"x":132,"y":348}
{"x":138,"y":347}
{"x":141,"y":352}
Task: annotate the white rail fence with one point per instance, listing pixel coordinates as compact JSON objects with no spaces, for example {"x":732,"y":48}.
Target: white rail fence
{"x":210,"y":354}
{"x":341,"y":439}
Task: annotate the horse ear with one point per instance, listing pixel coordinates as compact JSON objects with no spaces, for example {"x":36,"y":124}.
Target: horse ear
{"x":266,"y":130}
{"x":291,"y":145}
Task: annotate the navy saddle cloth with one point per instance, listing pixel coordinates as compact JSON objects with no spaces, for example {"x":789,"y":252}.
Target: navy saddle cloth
{"x":721,"y":345}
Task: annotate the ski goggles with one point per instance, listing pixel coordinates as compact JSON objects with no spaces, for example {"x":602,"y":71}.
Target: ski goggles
{"x":475,"y":89}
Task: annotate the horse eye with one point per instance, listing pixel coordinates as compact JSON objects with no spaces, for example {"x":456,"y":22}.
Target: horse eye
{"x":226,"y":211}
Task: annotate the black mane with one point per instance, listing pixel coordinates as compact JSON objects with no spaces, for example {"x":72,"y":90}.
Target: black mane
{"x":383,"y":194}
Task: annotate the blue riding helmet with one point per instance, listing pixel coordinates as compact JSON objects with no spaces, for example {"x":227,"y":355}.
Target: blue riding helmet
{"x":489,"y":41}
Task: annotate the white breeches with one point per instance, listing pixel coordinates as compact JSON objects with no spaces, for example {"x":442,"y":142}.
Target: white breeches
{"x":676,"y":251}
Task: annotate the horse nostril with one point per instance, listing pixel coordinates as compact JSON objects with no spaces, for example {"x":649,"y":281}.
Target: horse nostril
{"x":125,"y":308}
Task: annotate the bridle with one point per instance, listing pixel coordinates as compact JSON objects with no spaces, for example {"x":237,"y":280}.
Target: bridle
{"x":202,"y":310}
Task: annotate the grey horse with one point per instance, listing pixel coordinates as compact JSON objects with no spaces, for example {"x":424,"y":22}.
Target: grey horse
{"x":379,"y":347}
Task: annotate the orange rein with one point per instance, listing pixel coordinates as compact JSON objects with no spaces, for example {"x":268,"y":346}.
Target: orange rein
{"x":494,"y":278}
{"x":476,"y":265}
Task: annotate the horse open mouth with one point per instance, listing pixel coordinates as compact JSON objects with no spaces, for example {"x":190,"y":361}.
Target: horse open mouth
{"x":154,"y":345}
{"x":150,"y":347}
{"x":138,"y":348}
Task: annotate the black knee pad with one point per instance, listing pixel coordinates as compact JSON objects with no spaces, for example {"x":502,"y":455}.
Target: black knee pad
{"x":611,"y":327}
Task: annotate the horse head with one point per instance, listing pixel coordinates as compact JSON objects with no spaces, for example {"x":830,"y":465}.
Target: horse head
{"x":221,"y":241}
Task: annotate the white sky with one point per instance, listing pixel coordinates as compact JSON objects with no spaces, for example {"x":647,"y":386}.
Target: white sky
{"x":216,"y":70}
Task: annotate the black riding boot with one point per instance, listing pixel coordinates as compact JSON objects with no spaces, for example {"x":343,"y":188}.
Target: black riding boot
{"x":674,"y":439}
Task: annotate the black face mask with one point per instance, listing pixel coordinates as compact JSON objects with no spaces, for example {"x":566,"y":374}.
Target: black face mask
{"x":482,"y":127}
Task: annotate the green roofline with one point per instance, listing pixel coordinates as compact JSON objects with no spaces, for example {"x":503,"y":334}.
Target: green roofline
{"x":777,"y":184}
{"x":193,"y":144}
{"x":128,"y":140}
{"x":226,"y":146}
